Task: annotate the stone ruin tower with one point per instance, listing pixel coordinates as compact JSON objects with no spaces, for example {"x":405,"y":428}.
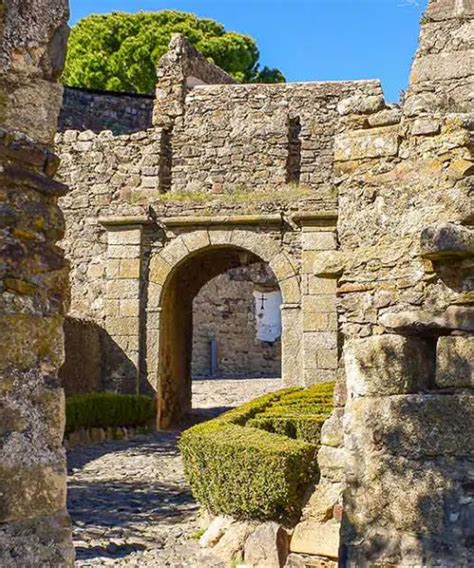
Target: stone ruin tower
{"x":362,"y":210}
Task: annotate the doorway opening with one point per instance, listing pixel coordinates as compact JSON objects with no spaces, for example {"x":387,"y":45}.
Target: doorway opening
{"x":220,"y":320}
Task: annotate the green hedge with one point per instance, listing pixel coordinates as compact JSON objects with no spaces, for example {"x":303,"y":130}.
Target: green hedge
{"x":255,"y":461}
{"x":101,"y":410}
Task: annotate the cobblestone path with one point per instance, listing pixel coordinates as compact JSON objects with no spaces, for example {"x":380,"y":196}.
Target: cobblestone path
{"x":129,"y":502}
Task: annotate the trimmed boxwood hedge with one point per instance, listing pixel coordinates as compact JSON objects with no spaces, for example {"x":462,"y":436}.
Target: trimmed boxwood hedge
{"x":103,"y":410}
{"x":255,"y":461}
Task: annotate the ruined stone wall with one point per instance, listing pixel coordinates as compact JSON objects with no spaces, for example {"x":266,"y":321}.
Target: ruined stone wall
{"x":34,"y":525}
{"x":225,"y":309}
{"x":86,"y":109}
{"x":136,"y":175}
{"x":82,"y":369}
{"x":237,"y":138}
{"x":399,"y":458}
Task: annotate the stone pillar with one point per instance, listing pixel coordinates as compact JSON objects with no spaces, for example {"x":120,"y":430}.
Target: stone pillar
{"x":409,"y":456}
{"x":320,"y":337}
{"x":442,"y":76}
{"x":34,"y":526}
{"x":124,"y":301}
{"x":291,"y":363}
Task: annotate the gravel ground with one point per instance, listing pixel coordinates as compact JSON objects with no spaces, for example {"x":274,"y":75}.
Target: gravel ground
{"x":129,"y":502}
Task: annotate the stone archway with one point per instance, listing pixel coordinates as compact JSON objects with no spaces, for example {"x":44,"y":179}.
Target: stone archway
{"x":176,"y":275}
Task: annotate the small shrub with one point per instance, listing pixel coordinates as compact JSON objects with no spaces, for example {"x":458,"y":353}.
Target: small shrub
{"x":255,"y":460}
{"x":103,"y":410}
{"x":246,"y":472}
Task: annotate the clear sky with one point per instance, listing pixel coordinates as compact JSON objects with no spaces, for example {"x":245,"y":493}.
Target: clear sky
{"x":309,"y":40}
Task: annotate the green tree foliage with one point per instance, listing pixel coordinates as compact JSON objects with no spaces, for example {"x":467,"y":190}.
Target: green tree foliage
{"x":119,"y":51}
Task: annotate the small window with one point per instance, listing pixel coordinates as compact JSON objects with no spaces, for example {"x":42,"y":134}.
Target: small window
{"x":293,"y":167}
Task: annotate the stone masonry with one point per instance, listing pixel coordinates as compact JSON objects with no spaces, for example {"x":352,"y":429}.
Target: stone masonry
{"x":363,"y":211}
{"x":35,"y":529}
{"x":260,"y":160}
{"x":224,"y":309}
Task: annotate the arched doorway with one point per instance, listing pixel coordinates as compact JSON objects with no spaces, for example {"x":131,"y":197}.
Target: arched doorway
{"x":176,"y":330}
{"x":176,"y":276}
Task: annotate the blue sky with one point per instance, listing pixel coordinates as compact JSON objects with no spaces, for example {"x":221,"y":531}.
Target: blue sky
{"x":309,"y":40}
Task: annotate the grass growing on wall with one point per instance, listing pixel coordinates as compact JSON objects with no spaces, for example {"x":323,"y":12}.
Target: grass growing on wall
{"x":255,"y":461}
{"x":103,"y":410}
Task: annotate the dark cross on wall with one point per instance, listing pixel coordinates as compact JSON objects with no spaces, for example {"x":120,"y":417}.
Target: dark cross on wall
{"x":263,"y":300}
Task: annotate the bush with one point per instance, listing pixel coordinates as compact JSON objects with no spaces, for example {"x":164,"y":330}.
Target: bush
{"x":255,"y":461}
{"x":101,"y":410}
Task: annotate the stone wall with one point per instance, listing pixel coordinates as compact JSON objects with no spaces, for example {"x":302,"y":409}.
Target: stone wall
{"x":138,"y":176}
{"x":234,"y":138}
{"x":396,"y":460}
{"x":82,"y":369}
{"x":372,"y":251}
{"x":225,"y":310}
{"x":34,"y":526}
{"x":121,"y":113}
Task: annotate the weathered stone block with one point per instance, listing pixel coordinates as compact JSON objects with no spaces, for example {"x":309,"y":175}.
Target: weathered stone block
{"x":196,"y":240}
{"x":129,"y":268}
{"x":174,"y":252}
{"x":413,"y":426}
{"x":317,"y":286}
{"x":29,"y":492}
{"x":315,"y":321}
{"x":252,"y":241}
{"x":25,"y":338}
{"x":322,"y":303}
{"x":439,"y":10}
{"x":122,"y":325}
{"x":360,"y":104}
{"x":290,"y":290}
{"x":327,"y":359}
{"x":422,"y":322}
{"x":442,"y":67}
{"x":425,"y":126}
{"x":159,"y":270}
{"x":455,"y":362}
{"x":361,"y":144}
{"x":312,"y":537}
{"x":329,"y":264}
{"x":123,"y":289}
{"x":388,"y":365}
{"x":130,"y":308}
{"x":319,"y":240}
{"x":332,"y":433}
{"x":25,"y":540}
{"x":124,"y":237}
{"x":323,"y":500}
{"x":445,"y":240}
{"x":123,"y":251}
{"x":282,"y":266}
{"x":266,"y":546}
{"x":386,"y":117}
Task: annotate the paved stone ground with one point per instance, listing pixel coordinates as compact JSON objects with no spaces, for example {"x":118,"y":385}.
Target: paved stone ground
{"x":129,"y":502}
